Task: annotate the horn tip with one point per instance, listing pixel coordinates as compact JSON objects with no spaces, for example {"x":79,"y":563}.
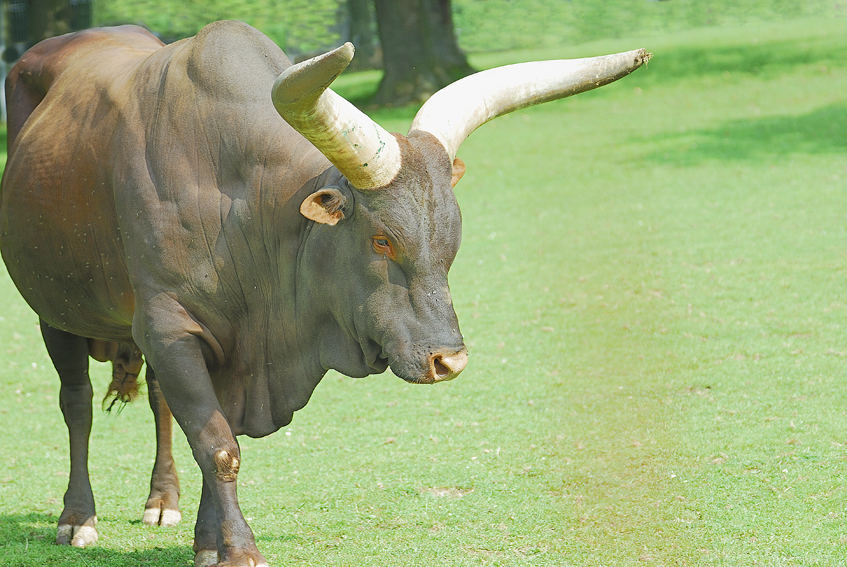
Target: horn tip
{"x":344,"y":52}
{"x":642,"y":56}
{"x":308,"y":79}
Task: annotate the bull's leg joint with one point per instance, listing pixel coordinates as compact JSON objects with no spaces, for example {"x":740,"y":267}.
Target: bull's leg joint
{"x":226,"y":466}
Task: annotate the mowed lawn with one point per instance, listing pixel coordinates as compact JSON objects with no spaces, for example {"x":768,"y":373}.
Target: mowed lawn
{"x":653,"y":287}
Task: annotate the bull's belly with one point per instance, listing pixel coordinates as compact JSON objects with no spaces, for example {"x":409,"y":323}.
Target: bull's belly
{"x":66,"y":258}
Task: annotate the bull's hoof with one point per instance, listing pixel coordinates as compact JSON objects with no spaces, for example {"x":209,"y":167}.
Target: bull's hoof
{"x":244,"y":562}
{"x":77,"y":536}
{"x":209,"y":558}
{"x":206,"y":558}
{"x":159,"y":516}
{"x":162,"y":507}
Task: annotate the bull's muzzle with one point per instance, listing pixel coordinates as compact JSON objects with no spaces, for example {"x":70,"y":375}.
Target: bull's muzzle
{"x":445,"y":366}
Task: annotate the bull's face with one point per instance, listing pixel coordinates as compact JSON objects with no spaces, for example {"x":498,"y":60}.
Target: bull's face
{"x":388,"y":253}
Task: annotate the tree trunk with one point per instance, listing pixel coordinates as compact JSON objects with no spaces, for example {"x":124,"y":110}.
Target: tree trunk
{"x":420,"y":53}
{"x":55,"y":17}
{"x":34,"y":20}
{"x":362,"y":34}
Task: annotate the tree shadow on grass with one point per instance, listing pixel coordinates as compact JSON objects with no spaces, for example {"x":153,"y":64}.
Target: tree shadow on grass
{"x":29,"y":539}
{"x":766,"y":139}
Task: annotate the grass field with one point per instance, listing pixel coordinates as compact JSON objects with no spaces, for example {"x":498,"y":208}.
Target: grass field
{"x":652,"y":287}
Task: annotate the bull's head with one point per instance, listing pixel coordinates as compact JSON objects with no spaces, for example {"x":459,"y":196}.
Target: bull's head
{"x":390,"y":200}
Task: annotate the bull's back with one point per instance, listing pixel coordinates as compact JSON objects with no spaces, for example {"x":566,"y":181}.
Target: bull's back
{"x":58,"y":228}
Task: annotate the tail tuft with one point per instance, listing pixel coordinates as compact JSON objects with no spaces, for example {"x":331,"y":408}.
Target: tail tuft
{"x":126,"y":365}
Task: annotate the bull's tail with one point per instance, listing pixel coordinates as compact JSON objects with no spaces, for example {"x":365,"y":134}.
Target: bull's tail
{"x":126,"y":366}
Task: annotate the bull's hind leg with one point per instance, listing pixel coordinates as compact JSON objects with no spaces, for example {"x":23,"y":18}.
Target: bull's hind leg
{"x":69,"y":354}
{"x":162,"y":507}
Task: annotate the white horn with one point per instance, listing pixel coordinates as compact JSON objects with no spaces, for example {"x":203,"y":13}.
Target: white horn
{"x":458,"y":109}
{"x":367,"y":155}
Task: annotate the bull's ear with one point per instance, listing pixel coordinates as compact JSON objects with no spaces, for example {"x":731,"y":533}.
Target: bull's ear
{"x":324,"y":206}
{"x":458,"y":171}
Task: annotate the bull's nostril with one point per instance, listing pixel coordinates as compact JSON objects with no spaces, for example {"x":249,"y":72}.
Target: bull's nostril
{"x":440,"y":369}
{"x":447,"y":366}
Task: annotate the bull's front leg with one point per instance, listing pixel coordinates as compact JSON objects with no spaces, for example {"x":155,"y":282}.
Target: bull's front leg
{"x":177,"y":357}
{"x":206,"y":530}
{"x":162,"y":508}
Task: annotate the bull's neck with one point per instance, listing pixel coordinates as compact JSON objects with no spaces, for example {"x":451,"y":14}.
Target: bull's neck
{"x":287,"y":312}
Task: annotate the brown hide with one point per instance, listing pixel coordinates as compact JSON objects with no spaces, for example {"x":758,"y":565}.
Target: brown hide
{"x":56,"y":199}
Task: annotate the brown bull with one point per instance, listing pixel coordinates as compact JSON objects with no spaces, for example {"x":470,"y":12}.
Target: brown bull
{"x":220,"y":209}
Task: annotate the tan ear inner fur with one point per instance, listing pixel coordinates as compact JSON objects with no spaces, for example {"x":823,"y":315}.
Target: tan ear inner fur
{"x":323,"y":206}
{"x":458,"y":171}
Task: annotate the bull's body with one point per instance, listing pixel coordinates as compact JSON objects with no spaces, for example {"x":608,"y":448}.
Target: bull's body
{"x":175,"y":182}
{"x":221,"y":211}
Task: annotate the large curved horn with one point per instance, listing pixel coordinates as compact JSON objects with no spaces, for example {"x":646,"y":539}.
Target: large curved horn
{"x":367,"y":155}
{"x":458,"y":109}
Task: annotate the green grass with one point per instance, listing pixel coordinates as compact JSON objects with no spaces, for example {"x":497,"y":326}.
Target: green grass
{"x":481,"y":27}
{"x":509,"y":24}
{"x":297,"y":25}
{"x":651,"y":284}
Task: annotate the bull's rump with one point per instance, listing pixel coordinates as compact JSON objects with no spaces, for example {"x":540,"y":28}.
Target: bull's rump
{"x":59,"y":234}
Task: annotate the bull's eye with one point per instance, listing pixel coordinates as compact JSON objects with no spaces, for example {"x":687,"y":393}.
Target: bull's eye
{"x":382,"y":245}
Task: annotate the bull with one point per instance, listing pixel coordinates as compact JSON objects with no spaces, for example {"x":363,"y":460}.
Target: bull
{"x":223,"y":212}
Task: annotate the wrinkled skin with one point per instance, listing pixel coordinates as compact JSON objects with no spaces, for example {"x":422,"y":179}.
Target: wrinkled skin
{"x":173,"y":190}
